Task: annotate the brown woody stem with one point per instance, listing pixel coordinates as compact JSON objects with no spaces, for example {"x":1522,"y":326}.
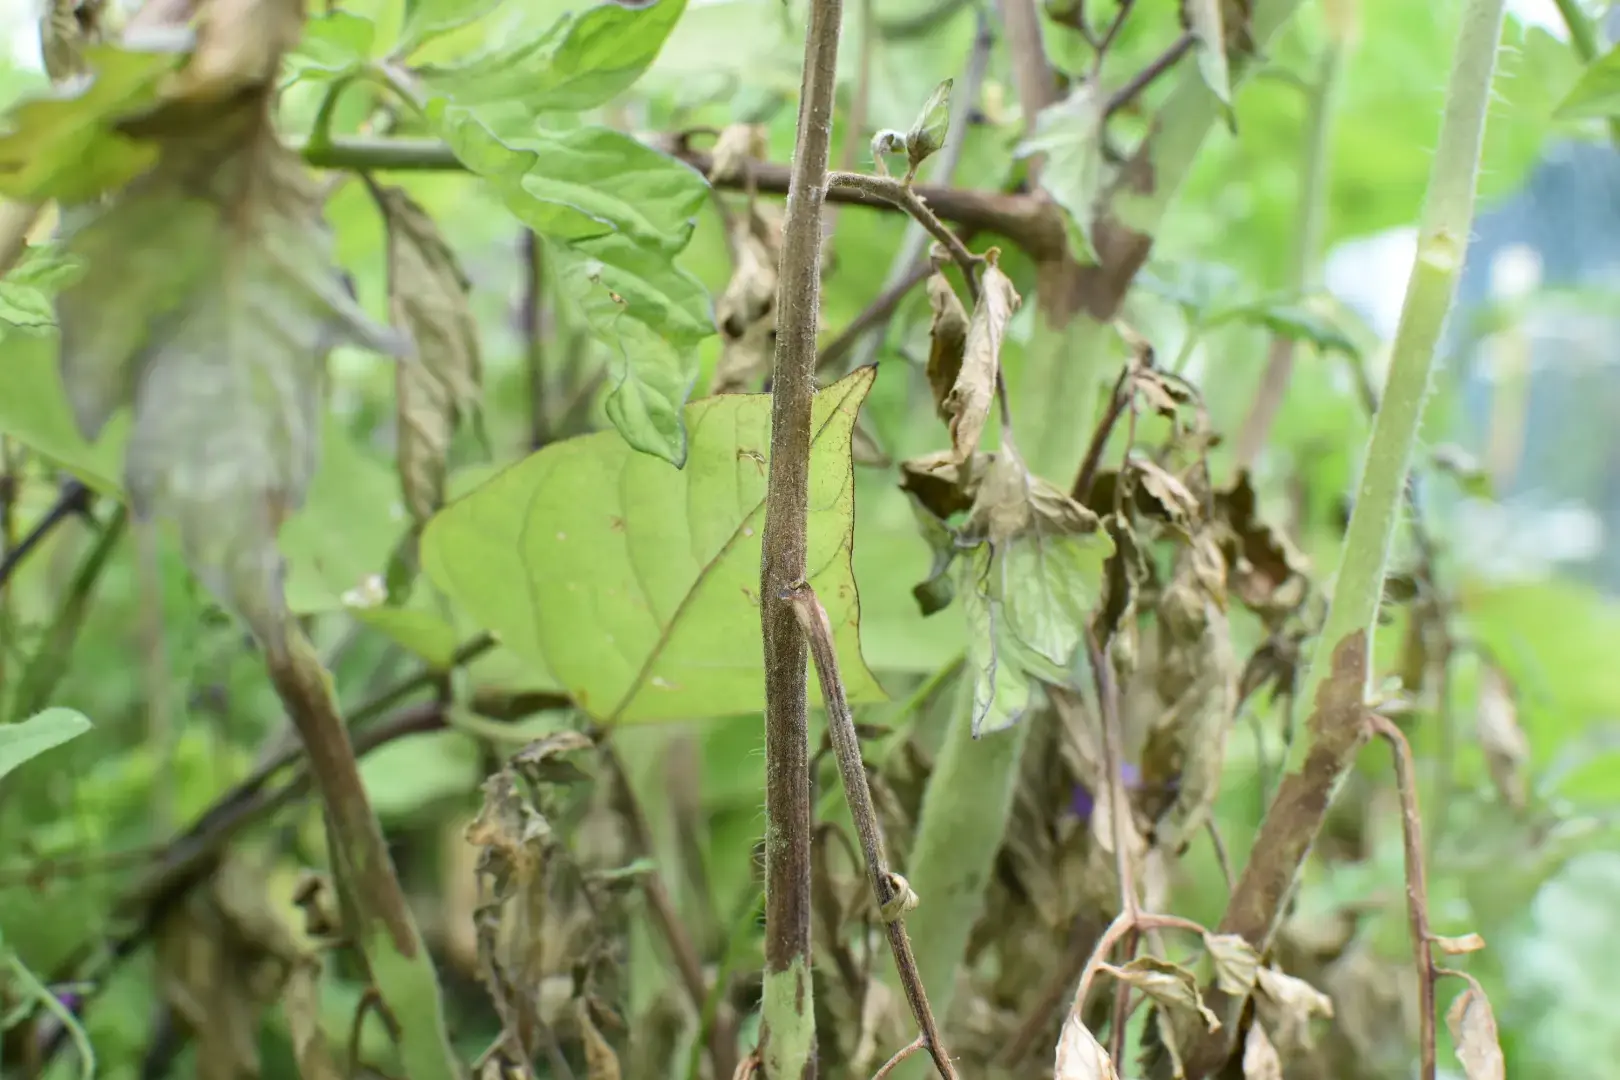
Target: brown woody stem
{"x":787,"y":1019}
{"x":888,"y":888}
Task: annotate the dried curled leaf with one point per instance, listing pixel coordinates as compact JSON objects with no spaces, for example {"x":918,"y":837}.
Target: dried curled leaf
{"x":1196,"y":687}
{"x":66,"y":29}
{"x":1237,"y":965}
{"x":301,"y":1006}
{"x":1268,"y":575}
{"x":746,"y":311}
{"x":968,"y":403}
{"x":947,"y":341}
{"x":427,"y":293}
{"x":1080,"y":1056}
{"x":1473,"y":1030}
{"x":1173,"y":987}
{"x":209,"y":302}
{"x":1260,"y":1058}
{"x":1287,"y":1005}
{"x":737,"y":145}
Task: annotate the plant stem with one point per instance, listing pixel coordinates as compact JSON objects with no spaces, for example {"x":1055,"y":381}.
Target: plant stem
{"x":73,"y":500}
{"x":1312,"y":213}
{"x":1031,"y":222}
{"x":902,"y":195}
{"x":1317,"y":765}
{"x":401,"y":969}
{"x":787,"y":1020}
{"x":888,"y":888}
{"x":1582,"y":34}
{"x":1417,"y":889}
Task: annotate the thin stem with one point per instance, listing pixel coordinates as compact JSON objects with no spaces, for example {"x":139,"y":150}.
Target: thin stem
{"x":904,"y":196}
{"x":1128,"y":922}
{"x":534,"y":354}
{"x":1112,"y":32}
{"x":1148,"y":75}
{"x":73,"y":500}
{"x":899,"y":1055}
{"x":1417,"y":889}
{"x":1317,"y":765}
{"x":787,"y":1037}
{"x":1031,"y":222}
{"x":890,"y":890}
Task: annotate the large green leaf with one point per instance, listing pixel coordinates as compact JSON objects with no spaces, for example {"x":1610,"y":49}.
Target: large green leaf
{"x":579,"y":63}
{"x":637,"y":583}
{"x":1597,"y":93}
{"x":63,"y":145}
{"x":621,"y":212}
{"x":41,"y":732}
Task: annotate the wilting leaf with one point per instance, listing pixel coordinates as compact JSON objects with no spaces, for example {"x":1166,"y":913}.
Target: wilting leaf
{"x":211,"y":309}
{"x":64,"y":34}
{"x":1196,"y":687}
{"x":1174,"y":988}
{"x":65,"y":144}
{"x":1267,"y":573}
{"x":968,"y":403}
{"x":1473,"y":1031}
{"x":239,"y":48}
{"x":947,"y":340}
{"x":927,"y":132}
{"x":427,"y":293}
{"x":1080,"y":1056}
{"x":1070,"y":135}
{"x":942,"y":485}
{"x":1204,"y":20}
{"x":1237,"y":965}
{"x":746,"y":311}
{"x":588,"y":533}
{"x":579,"y":63}
{"x":1286,"y":1006}
{"x":1260,"y":1059}
{"x":623,"y":212}
{"x":43,"y":731}
{"x":601,"y":1063}
{"x":301,"y":1006}
{"x":1507,"y":748}
{"x":1596,"y":95}
{"x":734,"y":148}
{"x":1033,"y":577}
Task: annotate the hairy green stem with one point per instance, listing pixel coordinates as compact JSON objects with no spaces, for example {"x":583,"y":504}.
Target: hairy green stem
{"x":1584,"y":40}
{"x":1341,"y":664}
{"x":787,"y":1018}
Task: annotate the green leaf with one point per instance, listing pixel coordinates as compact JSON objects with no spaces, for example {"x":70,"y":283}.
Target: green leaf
{"x":927,"y":132}
{"x":636,"y":583}
{"x":422,"y":632}
{"x":35,"y":411}
{"x":579,"y":63}
{"x":211,"y":313}
{"x":1036,"y":571}
{"x":1296,"y":322}
{"x":1070,"y":135}
{"x":334,"y":44}
{"x":623,"y":212}
{"x":1597,"y":93}
{"x":41,"y":732}
{"x":427,"y":19}
{"x":64,"y":144}
{"x":1204,"y":20}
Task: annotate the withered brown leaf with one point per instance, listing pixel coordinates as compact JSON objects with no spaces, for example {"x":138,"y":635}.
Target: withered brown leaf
{"x":968,"y":403}
{"x":947,"y":341}
{"x":1472,"y":1023}
{"x":428,"y":296}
